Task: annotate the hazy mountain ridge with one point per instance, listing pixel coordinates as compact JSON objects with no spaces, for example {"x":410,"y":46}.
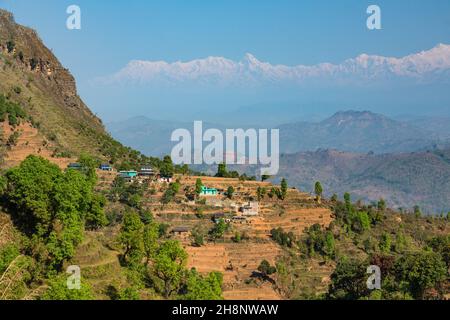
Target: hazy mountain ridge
{"x":437,"y":125}
{"x":354,"y":131}
{"x":404,"y":180}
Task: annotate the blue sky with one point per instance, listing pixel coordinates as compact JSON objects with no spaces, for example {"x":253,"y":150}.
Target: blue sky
{"x":282,"y":32}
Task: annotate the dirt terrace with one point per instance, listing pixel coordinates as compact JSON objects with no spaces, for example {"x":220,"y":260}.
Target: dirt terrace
{"x":30,"y":142}
{"x":237,"y":262}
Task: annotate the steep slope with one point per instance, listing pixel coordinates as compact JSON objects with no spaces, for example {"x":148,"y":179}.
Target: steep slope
{"x":31,"y":76}
{"x":404,"y":180}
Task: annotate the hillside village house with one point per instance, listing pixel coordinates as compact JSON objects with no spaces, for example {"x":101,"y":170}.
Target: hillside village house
{"x":239,"y":219}
{"x":165,"y":179}
{"x":181,"y":232}
{"x":75,"y":166}
{"x":217,"y":217}
{"x":209,"y":191}
{"x":250,"y":209}
{"x":214,"y":202}
{"x":129,"y":175}
{"x":146,"y":172}
{"x":105,"y":167}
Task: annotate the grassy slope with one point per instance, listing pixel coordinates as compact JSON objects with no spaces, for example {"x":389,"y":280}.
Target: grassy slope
{"x":51,"y":99}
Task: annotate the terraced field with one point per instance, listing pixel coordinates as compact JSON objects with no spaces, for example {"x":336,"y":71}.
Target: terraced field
{"x":30,"y":141}
{"x":99,"y":265}
{"x":238,"y":262}
{"x":292,"y":220}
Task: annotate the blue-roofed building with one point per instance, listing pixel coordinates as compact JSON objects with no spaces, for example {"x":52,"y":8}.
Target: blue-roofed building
{"x":105,"y":167}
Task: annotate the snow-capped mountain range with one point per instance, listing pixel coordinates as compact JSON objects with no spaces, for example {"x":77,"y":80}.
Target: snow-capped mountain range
{"x":426,"y":66}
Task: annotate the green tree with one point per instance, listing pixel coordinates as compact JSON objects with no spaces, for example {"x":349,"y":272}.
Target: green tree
{"x":51,"y":206}
{"x":318,"y":190}
{"x":260,"y":193}
{"x":96,"y":217}
{"x":347,"y":200}
{"x":230,"y":192}
{"x":361,"y":222}
{"x":222,"y":171}
{"x":320,"y":241}
{"x":88,"y":166}
{"x":282,"y":238}
{"x":118,"y":189}
{"x":184,"y":170}
{"x":150,"y":240}
{"x":168,"y":196}
{"x":401,"y":242}
{"x":417,"y":212}
{"x":200,"y":287}
{"x":219,"y":229}
{"x":146,"y":216}
{"x":272,"y":192}
{"x":329,"y":247}
{"x":167,"y":168}
{"x":348,"y":281}
{"x":266,"y":269}
{"x":381,"y":205}
{"x":58,"y":290}
{"x":198,"y":236}
{"x":175,"y":186}
{"x":198,"y":186}
{"x":10,"y":45}
{"x":265,"y":177}
{"x":130,"y":238}
{"x":421,"y":271}
{"x":284,"y":188}
{"x":385,"y":243}
{"x":169,"y":266}
{"x":441,"y":245}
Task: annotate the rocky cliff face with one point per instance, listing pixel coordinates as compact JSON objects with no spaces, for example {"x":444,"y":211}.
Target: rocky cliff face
{"x":24,"y":46}
{"x":33,"y":77}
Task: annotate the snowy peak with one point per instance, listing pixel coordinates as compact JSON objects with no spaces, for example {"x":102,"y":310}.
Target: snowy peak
{"x":430,"y":65}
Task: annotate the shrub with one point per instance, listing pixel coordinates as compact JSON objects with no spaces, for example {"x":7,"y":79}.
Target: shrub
{"x":320,"y":241}
{"x":266,"y":269}
{"x":283,"y":238}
